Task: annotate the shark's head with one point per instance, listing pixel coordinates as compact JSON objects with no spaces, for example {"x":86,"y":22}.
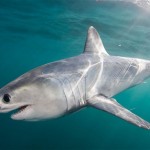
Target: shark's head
{"x":33,"y":98}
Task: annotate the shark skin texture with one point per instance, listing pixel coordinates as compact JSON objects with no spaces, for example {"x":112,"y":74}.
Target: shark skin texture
{"x":62,"y":87}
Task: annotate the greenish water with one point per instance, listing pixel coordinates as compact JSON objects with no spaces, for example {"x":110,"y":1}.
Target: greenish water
{"x":35,"y":32}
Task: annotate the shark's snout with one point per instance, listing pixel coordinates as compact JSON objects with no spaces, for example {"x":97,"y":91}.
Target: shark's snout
{"x":20,"y":110}
{"x":4,"y":109}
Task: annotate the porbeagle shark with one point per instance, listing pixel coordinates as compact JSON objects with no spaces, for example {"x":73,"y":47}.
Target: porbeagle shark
{"x":65,"y":86}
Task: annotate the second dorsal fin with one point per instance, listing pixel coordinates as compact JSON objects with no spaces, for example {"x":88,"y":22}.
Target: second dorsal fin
{"x":94,"y":43}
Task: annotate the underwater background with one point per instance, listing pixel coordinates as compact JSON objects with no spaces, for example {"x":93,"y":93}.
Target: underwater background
{"x":35,"y":32}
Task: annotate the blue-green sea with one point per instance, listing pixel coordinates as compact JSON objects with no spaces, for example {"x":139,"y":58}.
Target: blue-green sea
{"x":35,"y":32}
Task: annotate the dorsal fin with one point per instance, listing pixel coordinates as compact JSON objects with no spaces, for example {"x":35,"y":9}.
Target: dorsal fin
{"x":94,"y":43}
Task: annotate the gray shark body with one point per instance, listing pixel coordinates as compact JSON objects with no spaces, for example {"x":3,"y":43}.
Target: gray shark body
{"x":65,"y":86}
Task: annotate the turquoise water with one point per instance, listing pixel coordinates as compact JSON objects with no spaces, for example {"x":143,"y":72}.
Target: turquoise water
{"x":35,"y":32}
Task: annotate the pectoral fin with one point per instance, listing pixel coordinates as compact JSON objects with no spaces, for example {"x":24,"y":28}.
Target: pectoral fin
{"x":113,"y":107}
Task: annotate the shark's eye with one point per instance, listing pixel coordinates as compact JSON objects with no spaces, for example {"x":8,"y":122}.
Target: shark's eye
{"x":6,"y":98}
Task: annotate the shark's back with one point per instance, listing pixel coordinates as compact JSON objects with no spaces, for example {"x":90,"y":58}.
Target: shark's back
{"x":116,"y":74}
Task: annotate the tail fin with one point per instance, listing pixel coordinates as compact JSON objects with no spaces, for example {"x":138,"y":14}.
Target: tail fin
{"x":94,"y":43}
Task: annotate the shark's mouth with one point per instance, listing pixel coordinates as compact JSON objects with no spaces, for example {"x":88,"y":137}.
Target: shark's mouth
{"x":20,"y":111}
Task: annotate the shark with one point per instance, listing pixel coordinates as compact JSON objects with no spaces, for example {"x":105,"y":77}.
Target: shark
{"x":62,"y":87}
